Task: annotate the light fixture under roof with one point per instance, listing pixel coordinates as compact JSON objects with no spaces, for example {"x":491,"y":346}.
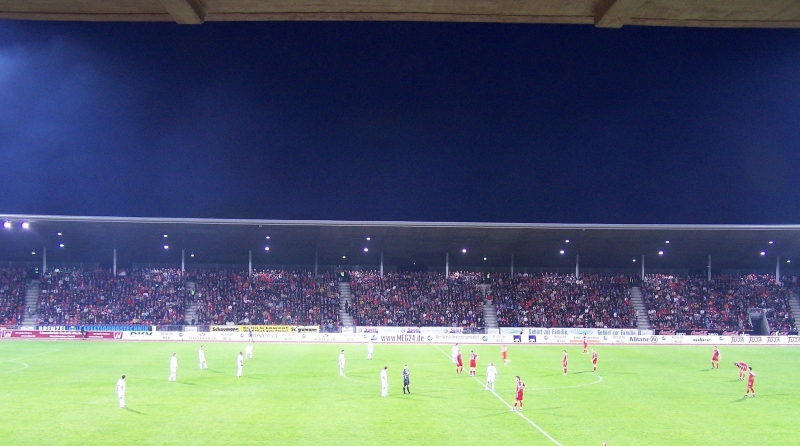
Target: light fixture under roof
{"x":366,"y":249}
{"x":661,"y":253}
{"x":166,"y":247}
{"x":266,"y":248}
{"x":7,"y":224}
{"x":463,"y":250}
{"x":25,"y":225}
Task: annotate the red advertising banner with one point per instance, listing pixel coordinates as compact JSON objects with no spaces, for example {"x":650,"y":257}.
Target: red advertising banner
{"x":100,"y":335}
{"x":35,"y":334}
{"x":32,"y":334}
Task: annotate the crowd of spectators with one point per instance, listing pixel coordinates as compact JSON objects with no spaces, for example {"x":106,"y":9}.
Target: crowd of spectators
{"x":144,"y":296}
{"x":12,"y":295}
{"x":559,"y":300}
{"x":682,"y":302}
{"x":161,"y":296}
{"x":416,"y":299}
{"x":267,"y":297}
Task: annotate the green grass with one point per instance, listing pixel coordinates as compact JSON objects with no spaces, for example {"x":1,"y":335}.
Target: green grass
{"x":63,"y":393}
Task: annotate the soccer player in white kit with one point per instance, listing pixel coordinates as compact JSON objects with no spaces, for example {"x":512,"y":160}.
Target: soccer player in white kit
{"x":202,"y":357}
{"x":384,"y":382}
{"x":341,"y":363}
{"x":370,"y":349}
{"x":121,"y":391}
{"x":239,"y":365}
{"x":491,"y":375}
{"x":173,"y":368}
{"x":248,"y":350}
{"x":454,"y":352}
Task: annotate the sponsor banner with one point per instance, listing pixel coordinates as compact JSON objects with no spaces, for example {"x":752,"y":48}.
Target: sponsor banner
{"x":269,"y":328}
{"x":35,"y":334}
{"x":190,"y":328}
{"x":58,"y":327}
{"x":101,"y":335}
{"x":117,"y":328}
{"x":404,"y":330}
{"x":225,"y":328}
{"x":642,"y":339}
{"x":3,"y":332}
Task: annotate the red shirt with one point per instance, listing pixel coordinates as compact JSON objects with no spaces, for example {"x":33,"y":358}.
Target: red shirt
{"x":742,"y":365}
{"x":750,"y":379}
{"x":458,"y":359}
{"x":520,"y":389}
{"x":594,"y":356}
{"x":716,"y":355}
{"x":565,"y":360}
{"x":472,"y":358}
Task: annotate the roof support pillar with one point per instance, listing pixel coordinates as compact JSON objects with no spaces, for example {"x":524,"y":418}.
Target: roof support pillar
{"x":577,"y":266}
{"x":709,"y":268}
{"x":44,"y":260}
{"x":115,"y":262}
{"x":778,"y":271}
{"x":381,"y":264}
{"x":512,"y":265}
{"x":250,"y":263}
{"x":447,"y":264}
{"x":642,"y":267}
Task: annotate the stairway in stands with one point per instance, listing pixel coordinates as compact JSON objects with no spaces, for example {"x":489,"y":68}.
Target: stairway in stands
{"x":31,"y":298}
{"x":642,"y":321}
{"x":794,"y":304}
{"x":192,"y":305}
{"x":344,"y":298}
{"x":489,"y":309}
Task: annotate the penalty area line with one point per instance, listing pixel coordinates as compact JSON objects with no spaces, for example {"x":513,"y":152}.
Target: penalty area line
{"x":549,"y":437}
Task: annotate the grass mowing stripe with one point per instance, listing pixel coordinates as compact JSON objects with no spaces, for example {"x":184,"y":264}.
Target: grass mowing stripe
{"x":509,"y":405}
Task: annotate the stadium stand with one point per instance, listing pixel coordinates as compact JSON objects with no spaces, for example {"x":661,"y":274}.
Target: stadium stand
{"x":75,"y":296}
{"x":417,"y":299}
{"x":12,"y":295}
{"x":556,"y":300}
{"x":682,"y":302}
{"x":268,"y":297}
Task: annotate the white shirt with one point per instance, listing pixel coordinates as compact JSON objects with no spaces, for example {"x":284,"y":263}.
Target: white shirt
{"x":248,"y":348}
{"x":491,"y":372}
{"x":341,"y":359}
{"x":240,"y":360}
{"x":173,"y":363}
{"x":369,"y":346}
{"x":384,"y":377}
{"x":202,"y":355}
{"x":120,"y":386}
{"x":454,"y":351}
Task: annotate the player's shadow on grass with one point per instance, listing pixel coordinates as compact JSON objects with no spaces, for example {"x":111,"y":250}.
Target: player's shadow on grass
{"x":135,"y":411}
{"x":585,"y":371}
{"x":213,"y":371}
{"x":186,"y":384}
{"x":253,"y":377}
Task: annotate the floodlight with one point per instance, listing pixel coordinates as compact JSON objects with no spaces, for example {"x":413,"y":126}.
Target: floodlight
{"x":7,"y":224}
{"x":25,"y":225}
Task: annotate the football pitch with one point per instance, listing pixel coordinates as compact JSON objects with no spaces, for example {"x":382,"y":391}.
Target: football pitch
{"x":63,"y":392}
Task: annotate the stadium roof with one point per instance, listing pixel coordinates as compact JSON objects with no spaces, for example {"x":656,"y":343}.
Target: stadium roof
{"x":602,"y":13}
{"x":425,"y":244}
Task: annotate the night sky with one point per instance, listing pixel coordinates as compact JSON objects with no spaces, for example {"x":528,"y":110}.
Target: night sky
{"x":401,"y":121}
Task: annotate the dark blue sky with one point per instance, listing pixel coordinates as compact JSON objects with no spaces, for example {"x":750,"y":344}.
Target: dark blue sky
{"x":401,"y":121}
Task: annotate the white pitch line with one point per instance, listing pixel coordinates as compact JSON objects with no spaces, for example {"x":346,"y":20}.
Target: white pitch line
{"x":599,"y":379}
{"x":509,"y":406}
{"x":25,"y":366}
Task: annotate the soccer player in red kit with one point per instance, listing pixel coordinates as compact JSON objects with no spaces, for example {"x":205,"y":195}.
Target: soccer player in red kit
{"x":504,"y":354}
{"x":742,"y":369}
{"x":594,"y":360}
{"x":565,"y":361}
{"x":520,"y":391}
{"x":473,"y":362}
{"x":750,"y":381}
{"x":585,"y":344}
{"x":715,"y":359}
{"x":459,"y":363}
